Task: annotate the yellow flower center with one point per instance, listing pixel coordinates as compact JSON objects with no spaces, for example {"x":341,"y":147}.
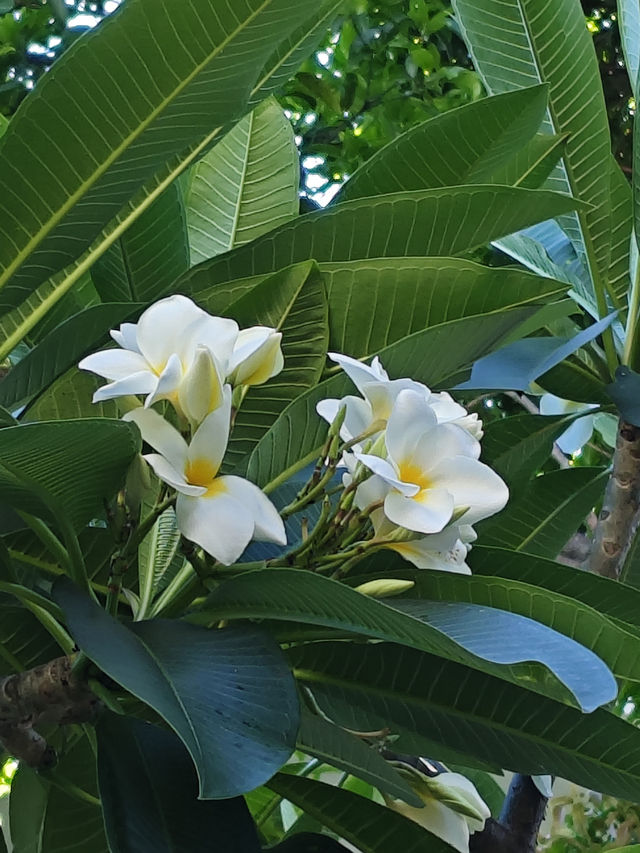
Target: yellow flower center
{"x":410,"y":473}
{"x":200,"y":472}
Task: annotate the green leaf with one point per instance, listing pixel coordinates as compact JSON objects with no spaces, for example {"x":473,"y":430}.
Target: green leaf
{"x":159,"y":559}
{"x":629,"y":17}
{"x":80,"y":463}
{"x":295,"y":302}
{"x":494,"y":641}
{"x":518,"y":364}
{"x":385,"y":686}
{"x":24,"y":643}
{"x":572,"y":379}
{"x":613,"y":599}
{"x":533,"y":164}
{"x":337,"y":747}
{"x":625,"y":391}
{"x":516,"y":447}
{"x":373,"y":828}
{"x":224,"y":692}
{"x":442,"y":221}
{"x":544,"y":516}
{"x":149,"y":793}
{"x":303,"y":842}
{"x":246,"y":185}
{"x":432,"y":356}
{"x":282,"y":63}
{"x":70,"y":396}
{"x":524,"y":42}
{"x":47,"y":817}
{"x":149,"y":256}
{"x":621,"y":230}
{"x":60,"y":350}
{"x":373,"y":303}
{"x":585,"y":624}
{"x":448,"y":150}
{"x":133,"y":124}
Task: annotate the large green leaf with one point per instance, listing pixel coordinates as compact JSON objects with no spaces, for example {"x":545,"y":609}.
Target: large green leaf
{"x":337,"y":747}
{"x":585,"y":624}
{"x":367,"y":688}
{"x":149,"y":793}
{"x":373,"y":828}
{"x":533,"y":164}
{"x":149,"y":256}
{"x":432,"y":356}
{"x":141,"y":116}
{"x":295,"y":302}
{"x":462,"y":146}
{"x":246,"y":185}
{"x":629,"y":15}
{"x":282,"y":63}
{"x":516,"y":43}
{"x":613,"y":599}
{"x":543,"y":517}
{"x":373,"y":303}
{"x":46,"y":818}
{"x":79,"y":463}
{"x":60,"y":350}
{"x":70,"y":396}
{"x":442,"y":221}
{"x":224,"y":692}
{"x":495,"y":641}
{"x":621,"y":230}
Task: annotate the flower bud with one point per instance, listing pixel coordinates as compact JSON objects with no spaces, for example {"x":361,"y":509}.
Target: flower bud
{"x":384,"y":587}
{"x":256,"y":356}
{"x":202,"y":389}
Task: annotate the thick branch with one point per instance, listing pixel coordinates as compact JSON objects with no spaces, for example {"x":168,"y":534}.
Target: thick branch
{"x":48,"y":694}
{"x":619,"y":516}
{"x":520,"y":819}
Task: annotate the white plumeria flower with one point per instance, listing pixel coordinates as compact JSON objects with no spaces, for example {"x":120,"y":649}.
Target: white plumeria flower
{"x":433,"y":470}
{"x":221,"y":514}
{"x":158,"y":351}
{"x":579,"y":433}
{"x":379,"y":394}
{"x":452,"y":810}
{"x":256,"y":356}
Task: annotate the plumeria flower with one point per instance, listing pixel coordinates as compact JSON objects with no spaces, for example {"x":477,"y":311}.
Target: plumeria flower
{"x":256,"y":356}
{"x":579,"y":433}
{"x":158,"y":351}
{"x":220,"y":513}
{"x":432,"y":470}
{"x":379,"y":394}
{"x":453,"y":808}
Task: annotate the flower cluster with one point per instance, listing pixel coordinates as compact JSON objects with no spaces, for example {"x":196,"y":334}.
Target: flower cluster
{"x":415,"y":458}
{"x":180,"y":353}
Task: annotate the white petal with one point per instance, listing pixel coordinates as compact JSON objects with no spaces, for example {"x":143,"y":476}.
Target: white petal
{"x":159,"y":433}
{"x":382,"y":395}
{"x":114,"y":363}
{"x":220,"y":524}
{"x":126,"y":336}
{"x":443,"y":442}
{"x":256,"y":356}
{"x":387,"y":472}
{"x":439,"y":551}
{"x":201,"y":390}
{"x":161,"y":328}
{"x":429,"y":514}
{"x":269,"y":527}
{"x":446,"y":408}
{"x":168,"y":474}
{"x":471,"y":484}
{"x":358,"y":372}
{"x":411,"y":418}
{"x":328,"y":409}
{"x":209,"y":442}
{"x":577,"y":435}
{"x":136,"y":383}
{"x":217,"y":334}
{"x":168,"y":381}
{"x":373,"y":490}
{"x":467,"y":790}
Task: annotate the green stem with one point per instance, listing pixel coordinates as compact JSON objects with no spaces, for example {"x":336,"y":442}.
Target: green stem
{"x":54,"y":628}
{"x":50,"y":541}
{"x":630,"y":352}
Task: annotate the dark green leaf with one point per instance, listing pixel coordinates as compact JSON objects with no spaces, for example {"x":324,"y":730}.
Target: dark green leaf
{"x":544,"y":516}
{"x":443,"y":221}
{"x":70,"y":396}
{"x":373,"y":828}
{"x":227,"y":693}
{"x":367,"y":688}
{"x":149,"y":793}
{"x":625,"y":393}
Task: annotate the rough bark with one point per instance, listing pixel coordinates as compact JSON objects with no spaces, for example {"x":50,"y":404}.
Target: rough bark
{"x":517,"y":829}
{"x":48,"y":694}
{"x":619,"y":516}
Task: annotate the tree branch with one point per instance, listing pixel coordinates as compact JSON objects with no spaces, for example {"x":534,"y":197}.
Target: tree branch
{"x":520,"y":819}
{"x":619,"y":516}
{"x":48,"y":694}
